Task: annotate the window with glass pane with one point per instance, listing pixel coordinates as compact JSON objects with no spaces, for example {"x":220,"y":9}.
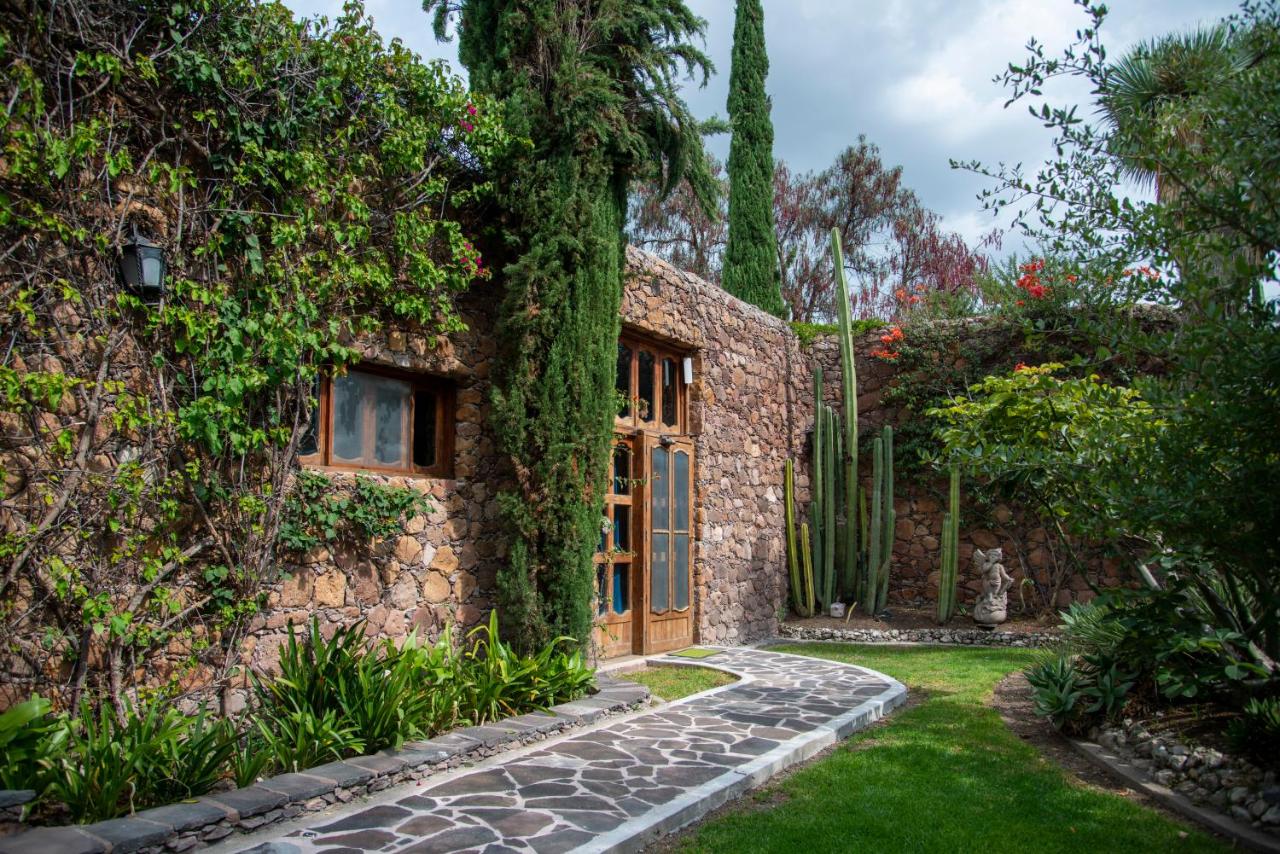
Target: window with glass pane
{"x":621,"y":470}
{"x":670,"y":397}
{"x":680,"y":528}
{"x":644,"y":386}
{"x":623,"y":384}
{"x":384,"y":421}
{"x":621,"y":571}
{"x":651,"y":383}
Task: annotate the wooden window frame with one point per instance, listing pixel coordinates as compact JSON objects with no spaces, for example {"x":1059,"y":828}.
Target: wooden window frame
{"x":660,"y":351}
{"x":445,"y":421}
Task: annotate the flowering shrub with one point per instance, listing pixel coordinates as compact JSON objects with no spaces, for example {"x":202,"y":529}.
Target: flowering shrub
{"x":889,"y":340}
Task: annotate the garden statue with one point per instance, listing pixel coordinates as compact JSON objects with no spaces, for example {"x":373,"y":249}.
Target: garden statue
{"x":992,"y":607}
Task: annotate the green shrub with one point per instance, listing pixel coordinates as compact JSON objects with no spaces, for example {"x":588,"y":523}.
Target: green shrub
{"x":1107,"y":689}
{"x":1059,"y":691}
{"x":1257,"y":732}
{"x":32,"y":743}
{"x":297,"y":739}
{"x":192,"y":764}
{"x":250,"y":759}
{"x":497,"y":682}
{"x":114,"y":766}
{"x":353,"y":694}
{"x":332,"y":699}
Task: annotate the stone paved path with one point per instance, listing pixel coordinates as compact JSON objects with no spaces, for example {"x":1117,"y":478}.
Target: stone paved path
{"x":618,"y":786}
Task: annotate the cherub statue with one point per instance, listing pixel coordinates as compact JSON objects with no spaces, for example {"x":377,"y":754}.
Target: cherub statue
{"x":992,"y":607}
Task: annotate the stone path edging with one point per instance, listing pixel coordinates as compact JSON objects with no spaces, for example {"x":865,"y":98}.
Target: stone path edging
{"x":623,"y":783}
{"x":218,"y":815}
{"x":939,"y":636}
{"x":1136,"y":779}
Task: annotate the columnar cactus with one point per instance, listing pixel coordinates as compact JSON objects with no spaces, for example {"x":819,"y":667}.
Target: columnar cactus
{"x":883,"y":519}
{"x":801,"y":573}
{"x":849,"y":389}
{"x":950,"y":548}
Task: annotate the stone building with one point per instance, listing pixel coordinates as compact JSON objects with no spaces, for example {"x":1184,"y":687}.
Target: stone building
{"x":692,"y":541}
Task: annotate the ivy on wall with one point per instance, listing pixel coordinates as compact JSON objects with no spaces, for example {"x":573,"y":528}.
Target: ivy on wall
{"x":308,"y":185}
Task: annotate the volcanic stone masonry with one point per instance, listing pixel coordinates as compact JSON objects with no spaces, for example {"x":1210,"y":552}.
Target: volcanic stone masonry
{"x":750,"y":408}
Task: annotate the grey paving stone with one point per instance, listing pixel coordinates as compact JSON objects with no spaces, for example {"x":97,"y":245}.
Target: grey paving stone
{"x":129,"y":834}
{"x":457,"y":839}
{"x":250,"y":801}
{"x":51,"y":840}
{"x":299,"y":787}
{"x":342,"y":774}
{"x":183,"y":817}
{"x":488,"y":736}
{"x":622,"y":784}
{"x":16,"y":797}
{"x":380,"y":763}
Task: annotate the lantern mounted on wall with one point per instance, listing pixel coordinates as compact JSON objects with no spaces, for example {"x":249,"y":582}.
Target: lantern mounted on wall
{"x":143,"y":268}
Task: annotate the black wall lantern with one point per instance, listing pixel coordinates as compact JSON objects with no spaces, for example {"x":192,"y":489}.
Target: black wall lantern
{"x":142,"y":267}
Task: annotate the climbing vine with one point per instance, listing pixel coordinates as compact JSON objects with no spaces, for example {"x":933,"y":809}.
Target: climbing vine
{"x":308,"y":185}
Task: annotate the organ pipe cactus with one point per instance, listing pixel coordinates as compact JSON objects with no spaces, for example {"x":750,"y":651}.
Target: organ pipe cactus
{"x":801,"y":574}
{"x":824,"y":508}
{"x":947,"y":579}
{"x":849,"y":390}
{"x":883,"y":519}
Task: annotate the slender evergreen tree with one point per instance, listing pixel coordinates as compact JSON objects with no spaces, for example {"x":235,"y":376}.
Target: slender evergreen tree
{"x":751,"y":256}
{"x":591,"y":86}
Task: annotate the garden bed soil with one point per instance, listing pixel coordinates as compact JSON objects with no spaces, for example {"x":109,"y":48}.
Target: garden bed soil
{"x":921,"y":618}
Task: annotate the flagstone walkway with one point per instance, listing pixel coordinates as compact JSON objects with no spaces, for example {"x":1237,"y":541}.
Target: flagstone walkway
{"x":618,"y":786}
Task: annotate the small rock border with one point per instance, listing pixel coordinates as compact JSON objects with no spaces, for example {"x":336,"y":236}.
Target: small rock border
{"x":195,"y":824}
{"x":1206,"y":777}
{"x":958,"y":637}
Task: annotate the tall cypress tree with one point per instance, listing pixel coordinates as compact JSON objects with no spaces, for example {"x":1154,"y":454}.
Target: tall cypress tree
{"x":591,"y":86}
{"x":751,"y":256}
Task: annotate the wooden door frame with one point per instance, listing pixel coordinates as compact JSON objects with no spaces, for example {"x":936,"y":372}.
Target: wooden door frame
{"x":644,"y":642}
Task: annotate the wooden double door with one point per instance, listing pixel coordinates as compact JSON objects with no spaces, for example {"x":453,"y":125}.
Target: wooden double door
{"x":644,"y":561}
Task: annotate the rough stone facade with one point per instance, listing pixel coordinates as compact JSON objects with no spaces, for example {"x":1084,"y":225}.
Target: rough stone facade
{"x":746,"y":414}
{"x":750,"y":408}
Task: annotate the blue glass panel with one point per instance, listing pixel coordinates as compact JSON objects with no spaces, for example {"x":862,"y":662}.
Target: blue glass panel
{"x":390,"y":412}
{"x":621,"y":470}
{"x":661,"y":491}
{"x":348,"y":421}
{"x":680,"y":488}
{"x":622,"y":528}
{"x":621,"y":574}
{"x":681,"y":570}
{"x":659,"y":574}
{"x":623,"y":384}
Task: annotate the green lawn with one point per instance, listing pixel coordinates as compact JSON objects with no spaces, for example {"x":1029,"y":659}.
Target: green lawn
{"x":677,"y":680}
{"x":944,"y":776}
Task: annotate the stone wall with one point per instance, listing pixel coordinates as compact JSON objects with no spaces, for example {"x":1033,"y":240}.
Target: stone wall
{"x":919,"y":499}
{"x":441,"y":571}
{"x":749,"y":407}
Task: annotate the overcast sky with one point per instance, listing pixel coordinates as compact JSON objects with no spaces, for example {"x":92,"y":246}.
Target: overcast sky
{"x":914,"y":76}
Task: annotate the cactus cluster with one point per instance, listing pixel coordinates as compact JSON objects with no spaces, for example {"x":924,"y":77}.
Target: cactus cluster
{"x":950,"y":548}
{"x":831,"y":566}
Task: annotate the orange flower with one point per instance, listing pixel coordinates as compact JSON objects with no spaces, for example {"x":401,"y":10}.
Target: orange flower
{"x":1072,"y":278}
